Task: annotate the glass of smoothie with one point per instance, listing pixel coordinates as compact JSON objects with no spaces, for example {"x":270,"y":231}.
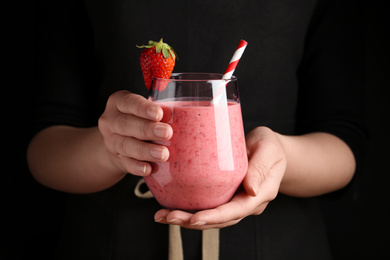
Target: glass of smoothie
{"x":208,"y":158}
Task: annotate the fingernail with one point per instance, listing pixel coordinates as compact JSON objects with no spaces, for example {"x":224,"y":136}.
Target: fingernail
{"x":153,"y":112}
{"x":141,"y":168}
{"x":254,"y":190}
{"x":158,"y":153}
{"x":175,"y":221}
{"x":161,"y":130}
{"x":199,"y":223}
{"x":254,"y":187}
{"x":159,"y":220}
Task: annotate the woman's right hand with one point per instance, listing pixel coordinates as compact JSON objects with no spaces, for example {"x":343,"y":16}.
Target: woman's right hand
{"x":127,"y":124}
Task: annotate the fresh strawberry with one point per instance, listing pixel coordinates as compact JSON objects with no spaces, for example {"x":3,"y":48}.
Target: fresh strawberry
{"x":157,"y":60}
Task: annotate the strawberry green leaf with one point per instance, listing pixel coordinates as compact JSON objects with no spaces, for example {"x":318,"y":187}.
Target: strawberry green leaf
{"x":172,"y":53}
{"x":161,"y":46}
{"x":165,"y":53}
{"x":158,"y":48}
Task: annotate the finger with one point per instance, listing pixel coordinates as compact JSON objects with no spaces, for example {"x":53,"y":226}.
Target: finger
{"x":183,"y":219}
{"x":137,"y":105}
{"x":176,"y":217}
{"x":212,"y":226}
{"x":139,"y":150}
{"x":136,"y":167}
{"x":264,"y":174}
{"x":264,"y":154}
{"x":208,"y":226}
{"x":241,"y":206}
{"x":234,"y":210}
{"x":160,"y":216}
{"x":143,"y":129}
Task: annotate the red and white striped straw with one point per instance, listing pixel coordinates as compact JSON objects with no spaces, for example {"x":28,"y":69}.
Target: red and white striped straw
{"x":219,"y":92}
{"x":235,"y":59}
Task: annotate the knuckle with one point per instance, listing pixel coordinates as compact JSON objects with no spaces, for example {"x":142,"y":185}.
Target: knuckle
{"x":131,"y":149}
{"x":115,"y":98}
{"x":128,"y":164}
{"x":102,"y":124}
{"x":128,"y":98}
{"x":122,"y":124}
{"x":272,"y":195}
{"x":122,"y":146}
{"x":141,"y":109}
{"x":141,"y":151}
{"x":144,"y":129}
{"x":260,"y":170}
{"x":133,"y":102}
{"x":124,"y":100}
{"x":111,"y":145}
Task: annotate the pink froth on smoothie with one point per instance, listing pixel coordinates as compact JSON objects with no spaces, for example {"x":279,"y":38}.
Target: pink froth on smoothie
{"x":208,"y":159}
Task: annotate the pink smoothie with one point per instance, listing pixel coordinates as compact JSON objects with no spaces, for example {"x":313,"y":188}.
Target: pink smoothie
{"x":208,"y":159}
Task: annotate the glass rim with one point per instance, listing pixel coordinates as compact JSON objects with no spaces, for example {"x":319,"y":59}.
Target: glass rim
{"x":203,"y":76}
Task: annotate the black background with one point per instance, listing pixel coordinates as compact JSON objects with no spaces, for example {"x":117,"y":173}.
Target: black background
{"x":358,"y":223}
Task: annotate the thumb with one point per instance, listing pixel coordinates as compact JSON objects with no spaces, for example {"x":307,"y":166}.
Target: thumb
{"x":257,"y":172}
{"x":263,"y":152}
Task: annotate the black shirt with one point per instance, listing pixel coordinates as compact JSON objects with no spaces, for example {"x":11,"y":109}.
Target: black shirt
{"x":301,"y":72}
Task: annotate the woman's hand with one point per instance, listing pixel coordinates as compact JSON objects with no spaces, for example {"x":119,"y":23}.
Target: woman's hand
{"x":85,"y":160}
{"x":267,"y":165}
{"x":128,"y":122}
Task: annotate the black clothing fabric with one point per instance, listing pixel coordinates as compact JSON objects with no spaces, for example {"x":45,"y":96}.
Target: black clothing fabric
{"x":301,"y":72}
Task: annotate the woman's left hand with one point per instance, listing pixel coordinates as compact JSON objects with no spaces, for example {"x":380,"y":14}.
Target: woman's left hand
{"x":266,"y":168}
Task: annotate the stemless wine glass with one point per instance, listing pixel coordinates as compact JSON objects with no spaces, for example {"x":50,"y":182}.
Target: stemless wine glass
{"x":208,"y":158}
